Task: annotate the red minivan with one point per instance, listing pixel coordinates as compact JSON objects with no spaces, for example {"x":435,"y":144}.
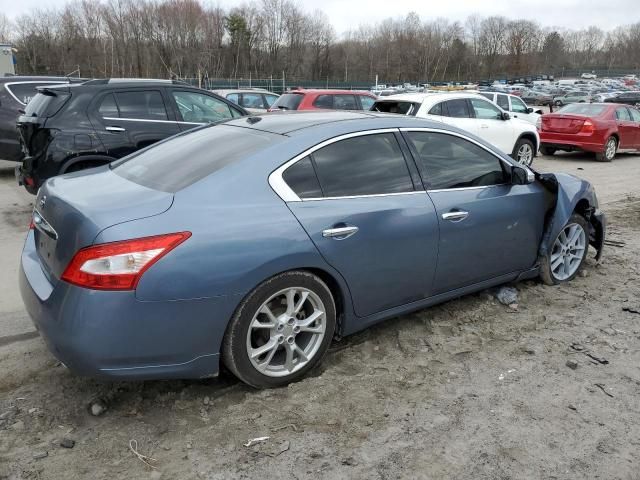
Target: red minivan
{"x":312,"y":99}
{"x":601,"y":128}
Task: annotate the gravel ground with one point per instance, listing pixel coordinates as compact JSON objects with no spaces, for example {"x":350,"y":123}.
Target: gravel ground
{"x":467,"y":389}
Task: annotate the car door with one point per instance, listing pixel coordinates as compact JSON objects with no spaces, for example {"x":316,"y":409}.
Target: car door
{"x":626,"y":128}
{"x":521,"y":111}
{"x":635,"y":119}
{"x":132,"y":119}
{"x":488,"y":227}
{"x":491,"y":125}
{"x":359,"y":205}
{"x":196,"y":108}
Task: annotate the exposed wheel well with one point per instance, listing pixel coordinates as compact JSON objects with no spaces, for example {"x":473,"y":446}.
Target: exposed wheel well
{"x":336,"y":291}
{"x":583,"y":208}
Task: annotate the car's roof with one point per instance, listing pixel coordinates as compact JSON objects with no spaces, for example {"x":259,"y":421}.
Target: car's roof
{"x":286,"y":123}
{"x":226,"y":91}
{"x":20,"y":78}
{"x":324,"y":91}
{"x":432,"y":97}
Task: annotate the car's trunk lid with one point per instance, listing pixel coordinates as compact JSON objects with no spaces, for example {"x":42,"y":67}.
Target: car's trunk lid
{"x":75,"y":208}
{"x":562,"y":123}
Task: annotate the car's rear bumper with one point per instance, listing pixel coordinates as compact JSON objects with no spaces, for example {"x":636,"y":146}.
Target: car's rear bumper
{"x":112,"y":334}
{"x":565,"y":141}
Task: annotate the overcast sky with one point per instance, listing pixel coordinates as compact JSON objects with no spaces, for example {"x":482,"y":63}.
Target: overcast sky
{"x":349,"y":14}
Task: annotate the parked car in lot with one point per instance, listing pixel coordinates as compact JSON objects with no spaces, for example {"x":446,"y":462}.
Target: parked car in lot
{"x":472,"y":113}
{"x":315,"y":224}
{"x":572,"y":97}
{"x":253,"y":100}
{"x":533,"y":97}
{"x":313,"y":99}
{"x":601,"y":128}
{"x":15,"y":93}
{"x":515,"y":106}
{"x":75,"y":127}
{"x":628,"y":98}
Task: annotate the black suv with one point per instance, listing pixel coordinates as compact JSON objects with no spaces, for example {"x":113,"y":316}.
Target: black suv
{"x":74,"y":127}
{"x":15,"y":93}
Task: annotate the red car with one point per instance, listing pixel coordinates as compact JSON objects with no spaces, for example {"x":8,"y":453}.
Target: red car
{"x":601,"y":128}
{"x":302,"y":99}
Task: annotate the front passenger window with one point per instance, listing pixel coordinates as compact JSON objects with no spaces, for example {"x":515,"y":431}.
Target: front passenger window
{"x":198,"y":108}
{"x":485,"y":110}
{"x":450,"y":162}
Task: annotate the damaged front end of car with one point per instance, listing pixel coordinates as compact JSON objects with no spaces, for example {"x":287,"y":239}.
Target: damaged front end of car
{"x":569,"y":195}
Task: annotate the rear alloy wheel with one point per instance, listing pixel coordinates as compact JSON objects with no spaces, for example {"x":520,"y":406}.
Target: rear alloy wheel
{"x":547,"y":150}
{"x":523,"y":152}
{"x":567,"y":253}
{"x":609,"y":153}
{"x":281,"y":330}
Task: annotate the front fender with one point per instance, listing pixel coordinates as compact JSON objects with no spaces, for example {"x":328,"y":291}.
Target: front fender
{"x":571,"y":194}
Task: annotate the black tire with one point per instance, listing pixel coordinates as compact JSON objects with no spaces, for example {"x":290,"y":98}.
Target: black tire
{"x":519,"y":144}
{"x":234,"y":346}
{"x":607,"y":155}
{"x":546,"y":273}
{"x":547,"y":150}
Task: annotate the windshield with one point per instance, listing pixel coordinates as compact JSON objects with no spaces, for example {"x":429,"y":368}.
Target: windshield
{"x":583,"y":109}
{"x":176,"y":163}
{"x":288,"y":101}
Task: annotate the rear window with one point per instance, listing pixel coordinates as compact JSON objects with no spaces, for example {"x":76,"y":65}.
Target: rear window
{"x":176,"y":163}
{"x":45,"y":105}
{"x":24,"y":92}
{"x":403,"y":108}
{"x":288,"y":101}
{"x":586,"y":109}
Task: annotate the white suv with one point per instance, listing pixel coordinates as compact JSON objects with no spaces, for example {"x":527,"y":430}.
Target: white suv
{"x":473,"y":113}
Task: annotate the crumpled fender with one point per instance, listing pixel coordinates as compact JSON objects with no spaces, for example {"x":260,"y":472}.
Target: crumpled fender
{"x":567,"y":191}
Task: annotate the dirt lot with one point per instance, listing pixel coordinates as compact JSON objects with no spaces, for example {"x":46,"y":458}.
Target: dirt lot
{"x":468,"y":389}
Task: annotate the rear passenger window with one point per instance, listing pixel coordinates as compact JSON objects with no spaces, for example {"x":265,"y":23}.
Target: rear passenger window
{"x":234,"y":97}
{"x":635,"y":115}
{"x":458,"y":108}
{"x":108,"y":107}
{"x":503,"y":102}
{"x":367,"y":102}
{"x":323,"y":101}
{"x":345,"y":102}
{"x":364,"y":165}
{"x":301,"y":178}
{"x":252,"y":100}
{"x":436,"y":110}
{"x":143,"y":105}
{"x":446,"y":162}
{"x":623,"y":114}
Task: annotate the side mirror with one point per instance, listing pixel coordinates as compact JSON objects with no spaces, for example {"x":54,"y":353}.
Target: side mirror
{"x":529,"y":110}
{"x":521,"y":175}
{"x":505,"y":116}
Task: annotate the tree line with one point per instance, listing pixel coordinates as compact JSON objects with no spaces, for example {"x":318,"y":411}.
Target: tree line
{"x":263,"y":38}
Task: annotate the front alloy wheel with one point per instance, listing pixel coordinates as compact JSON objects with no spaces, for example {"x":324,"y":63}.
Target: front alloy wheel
{"x":525,"y":154}
{"x":281,"y":330}
{"x":567,"y":254}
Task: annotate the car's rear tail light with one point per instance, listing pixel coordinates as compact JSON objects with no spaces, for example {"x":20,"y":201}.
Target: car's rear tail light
{"x":588,"y":127}
{"x":119,"y":265}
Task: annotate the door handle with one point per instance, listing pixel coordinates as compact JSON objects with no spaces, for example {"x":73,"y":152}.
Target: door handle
{"x":340,"y":233}
{"x":114,"y":129}
{"x":457,"y":216}
{"x":484,"y":125}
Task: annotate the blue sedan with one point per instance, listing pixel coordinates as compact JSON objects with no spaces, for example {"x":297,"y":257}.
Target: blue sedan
{"x":256,"y":241}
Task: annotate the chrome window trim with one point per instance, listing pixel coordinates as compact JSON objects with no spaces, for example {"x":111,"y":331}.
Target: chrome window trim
{"x":118,"y":119}
{"x":396,"y":194}
{"x":530,"y":174}
{"x":40,"y":82}
{"x":285,"y":192}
